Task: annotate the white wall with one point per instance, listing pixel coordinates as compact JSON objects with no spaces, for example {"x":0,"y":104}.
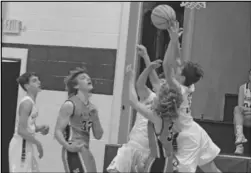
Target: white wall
{"x":81,"y":24}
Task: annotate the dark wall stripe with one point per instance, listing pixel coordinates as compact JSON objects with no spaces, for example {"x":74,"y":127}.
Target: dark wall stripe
{"x":53,"y":63}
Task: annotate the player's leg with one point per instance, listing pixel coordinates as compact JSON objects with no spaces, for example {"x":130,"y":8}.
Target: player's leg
{"x":122,"y":161}
{"x":72,"y":162}
{"x":210,"y":167}
{"x":240,"y":138}
{"x":87,"y":160}
{"x":208,"y":152}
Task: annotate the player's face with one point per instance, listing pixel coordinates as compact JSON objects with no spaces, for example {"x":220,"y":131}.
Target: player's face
{"x":84,"y":82}
{"x":34,"y":84}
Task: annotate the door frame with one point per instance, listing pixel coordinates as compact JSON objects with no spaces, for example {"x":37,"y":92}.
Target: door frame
{"x":16,"y":54}
{"x":134,"y":32}
{"x":19,"y":54}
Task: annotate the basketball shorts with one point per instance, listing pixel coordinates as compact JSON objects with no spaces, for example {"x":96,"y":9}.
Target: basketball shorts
{"x":195,"y":148}
{"x":78,"y":161}
{"x":21,"y":156}
{"x":131,"y":157}
{"x":161,"y":164}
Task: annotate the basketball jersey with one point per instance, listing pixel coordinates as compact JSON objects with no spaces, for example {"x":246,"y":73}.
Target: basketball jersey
{"x":185,"y":108}
{"x":247,"y":96}
{"x":31,"y":122}
{"x":139,"y":132}
{"x":80,"y":122}
{"x":160,"y":145}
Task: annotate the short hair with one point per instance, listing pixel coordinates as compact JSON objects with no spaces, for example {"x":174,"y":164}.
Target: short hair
{"x":70,"y":80}
{"x":192,"y":72}
{"x":169,"y":100}
{"x":25,"y":79}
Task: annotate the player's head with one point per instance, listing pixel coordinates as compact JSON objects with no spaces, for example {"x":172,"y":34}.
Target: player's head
{"x":249,"y":76}
{"x":78,"y":80}
{"x":30,"y":82}
{"x":189,"y":73}
{"x":167,"y":102}
{"x":162,"y":78}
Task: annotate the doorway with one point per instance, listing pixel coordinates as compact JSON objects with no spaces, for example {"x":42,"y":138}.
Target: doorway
{"x":10,"y":72}
{"x":155,"y":40}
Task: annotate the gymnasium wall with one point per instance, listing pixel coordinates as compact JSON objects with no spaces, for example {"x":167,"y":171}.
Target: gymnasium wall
{"x":59,"y":37}
{"x":221,"y":44}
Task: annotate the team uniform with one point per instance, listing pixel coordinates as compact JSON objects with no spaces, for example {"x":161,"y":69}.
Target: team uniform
{"x":195,"y":147}
{"x":162,"y":157}
{"x":240,"y":136}
{"x":78,"y":130}
{"x":247,"y":96}
{"x":131,"y":157}
{"x":22,"y":152}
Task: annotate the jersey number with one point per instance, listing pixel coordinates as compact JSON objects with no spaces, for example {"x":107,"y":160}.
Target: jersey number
{"x":246,"y":105}
{"x":86,"y":125}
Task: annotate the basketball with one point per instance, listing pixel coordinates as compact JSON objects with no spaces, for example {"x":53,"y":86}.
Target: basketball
{"x":162,"y":15}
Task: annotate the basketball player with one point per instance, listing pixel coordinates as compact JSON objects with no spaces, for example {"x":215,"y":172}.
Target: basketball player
{"x":21,"y":149}
{"x":132,"y":156}
{"x":77,"y":116}
{"x":195,"y":147}
{"x":243,"y":110}
{"x":160,"y":116}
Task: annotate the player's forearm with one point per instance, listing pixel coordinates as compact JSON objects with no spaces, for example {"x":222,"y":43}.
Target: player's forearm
{"x":27,"y":136}
{"x":97,"y":130}
{"x":169,"y":60}
{"x":60,"y":138}
{"x":133,"y":98}
{"x":154,"y":79}
{"x":141,"y":82}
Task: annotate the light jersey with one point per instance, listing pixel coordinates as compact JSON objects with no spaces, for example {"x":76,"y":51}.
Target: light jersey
{"x":185,"y":116}
{"x":247,"y":96}
{"x":31,"y":122}
{"x":80,"y":122}
{"x":139,"y":132}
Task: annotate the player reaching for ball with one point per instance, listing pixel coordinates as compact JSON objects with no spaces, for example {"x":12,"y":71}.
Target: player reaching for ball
{"x":242,"y":115}
{"x":195,"y":147}
{"x":131,"y":157}
{"x":21,"y":152}
{"x":77,"y":116}
{"x":160,"y":120}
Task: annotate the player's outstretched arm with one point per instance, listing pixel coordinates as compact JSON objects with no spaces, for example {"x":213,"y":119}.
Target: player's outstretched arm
{"x":170,"y":63}
{"x":154,"y":79}
{"x":141,"y":108}
{"x":142,"y":90}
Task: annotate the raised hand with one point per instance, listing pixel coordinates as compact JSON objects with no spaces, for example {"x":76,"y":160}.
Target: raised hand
{"x":174,"y":31}
{"x":130,"y":71}
{"x":156,"y":64}
{"x":141,"y":50}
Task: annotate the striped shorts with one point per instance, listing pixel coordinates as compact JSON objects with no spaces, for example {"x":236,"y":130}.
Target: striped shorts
{"x":79,"y":161}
